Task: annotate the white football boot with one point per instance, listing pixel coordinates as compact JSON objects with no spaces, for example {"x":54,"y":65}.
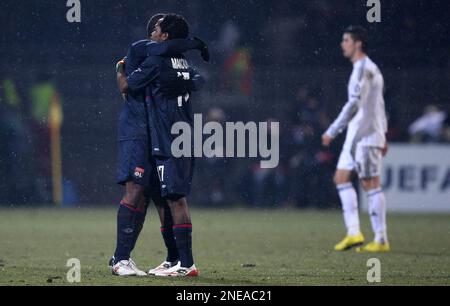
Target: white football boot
{"x":123,"y":268}
{"x":111,"y":263}
{"x":138,"y":271}
{"x":127,"y":268}
{"x":166,"y":265}
{"x":179,"y":271}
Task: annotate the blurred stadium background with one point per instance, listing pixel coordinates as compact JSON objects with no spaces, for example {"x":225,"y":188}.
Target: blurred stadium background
{"x":271,"y":60}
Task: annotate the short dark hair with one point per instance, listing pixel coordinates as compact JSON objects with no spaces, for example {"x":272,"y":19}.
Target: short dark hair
{"x":175,"y":26}
{"x":152,"y":23}
{"x":358,"y":33}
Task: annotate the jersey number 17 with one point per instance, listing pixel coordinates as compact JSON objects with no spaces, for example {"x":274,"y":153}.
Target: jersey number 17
{"x":186,"y":76}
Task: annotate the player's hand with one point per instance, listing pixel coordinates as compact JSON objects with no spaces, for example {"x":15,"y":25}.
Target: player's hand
{"x":385,"y":150}
{"x":326,"y":140}
{"x":120,"y":66}
{"x":203,"y":48}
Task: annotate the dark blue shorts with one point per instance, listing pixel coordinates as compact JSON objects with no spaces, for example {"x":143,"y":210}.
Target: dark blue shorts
{"x":175,"y":175}
{"x":135,"y":164}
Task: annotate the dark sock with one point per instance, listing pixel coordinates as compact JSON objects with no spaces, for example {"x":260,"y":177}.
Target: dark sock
{"x":126,"y":216}
{"x":138,"y":225}
{"x":169,"y":241}
{"x":183,"y":240}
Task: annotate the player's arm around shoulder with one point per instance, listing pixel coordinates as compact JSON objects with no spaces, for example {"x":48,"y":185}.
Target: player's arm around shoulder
{"x":177,"y":46}
{"x":198,"y":81}
{"x":143,"y":75}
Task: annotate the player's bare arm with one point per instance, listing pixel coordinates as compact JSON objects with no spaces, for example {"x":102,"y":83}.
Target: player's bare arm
{"x":121,"y":77}
{"x":385,"y":149}
{"x":326,"y":140}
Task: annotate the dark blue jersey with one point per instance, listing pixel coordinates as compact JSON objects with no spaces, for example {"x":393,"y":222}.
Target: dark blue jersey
{"x":133,"y":117}
{"x":164,"y":111}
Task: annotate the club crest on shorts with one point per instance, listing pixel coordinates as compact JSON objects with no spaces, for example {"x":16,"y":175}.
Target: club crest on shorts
{"x":139,"y":172}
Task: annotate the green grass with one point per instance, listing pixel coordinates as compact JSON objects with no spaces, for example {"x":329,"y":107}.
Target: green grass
{"x":286,"y":247}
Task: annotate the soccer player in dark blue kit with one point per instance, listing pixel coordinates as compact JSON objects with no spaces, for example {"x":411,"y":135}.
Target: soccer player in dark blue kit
{"x":136,"y":167}
{"x":166,"y":78}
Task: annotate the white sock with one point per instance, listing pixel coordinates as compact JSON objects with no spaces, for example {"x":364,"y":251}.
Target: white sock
{"x":377,"y":211}
{"x":349,"y":202}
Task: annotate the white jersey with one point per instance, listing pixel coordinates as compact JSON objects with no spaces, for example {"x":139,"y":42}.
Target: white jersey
{"x":364,"y":114}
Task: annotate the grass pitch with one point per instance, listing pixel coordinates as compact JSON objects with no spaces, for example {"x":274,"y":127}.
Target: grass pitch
{"x":231,"y":247}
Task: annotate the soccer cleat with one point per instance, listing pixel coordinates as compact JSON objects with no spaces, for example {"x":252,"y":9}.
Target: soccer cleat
{"x":126,"y":268}
{"x":374,"y":247}
{"x":162,"y":267}
{"x":349,"y":242}
{"x":123,"y":268}
{"x":138,"y":271}
{"x":179,"y":271}
{"x":111,"y":262}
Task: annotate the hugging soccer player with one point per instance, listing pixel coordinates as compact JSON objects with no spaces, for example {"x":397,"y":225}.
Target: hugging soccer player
{"x":364,"y":117}
{"x":136,"y":166}
{"x":169,"y":82}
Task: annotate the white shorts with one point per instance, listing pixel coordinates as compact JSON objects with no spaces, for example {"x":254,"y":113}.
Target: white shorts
{"x":366,"y":161}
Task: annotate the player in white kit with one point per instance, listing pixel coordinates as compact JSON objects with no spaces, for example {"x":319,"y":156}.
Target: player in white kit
{"x":364,"y":117}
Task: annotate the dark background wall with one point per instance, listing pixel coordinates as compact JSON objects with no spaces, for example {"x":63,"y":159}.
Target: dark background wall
{"x":293,"y":48}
